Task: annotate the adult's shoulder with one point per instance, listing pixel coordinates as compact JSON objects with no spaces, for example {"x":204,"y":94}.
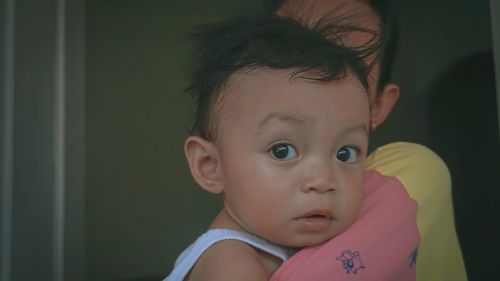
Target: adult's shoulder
{"x":422,"y":172}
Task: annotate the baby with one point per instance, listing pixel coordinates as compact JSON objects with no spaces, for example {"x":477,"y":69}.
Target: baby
{"x":281,"y":133}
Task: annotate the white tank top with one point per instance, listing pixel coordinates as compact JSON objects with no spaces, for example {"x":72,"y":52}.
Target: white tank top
{"x":189,"y":256}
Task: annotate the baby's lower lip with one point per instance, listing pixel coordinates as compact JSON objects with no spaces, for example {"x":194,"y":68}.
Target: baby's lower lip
{"x":314,"y":223}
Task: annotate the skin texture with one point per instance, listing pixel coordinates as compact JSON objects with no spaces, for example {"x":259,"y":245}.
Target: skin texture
{"x":308,"y":197}
{"x":310,"y":11}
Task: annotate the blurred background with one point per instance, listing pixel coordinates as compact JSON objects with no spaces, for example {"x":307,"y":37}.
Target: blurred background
{"x":94,"y":181}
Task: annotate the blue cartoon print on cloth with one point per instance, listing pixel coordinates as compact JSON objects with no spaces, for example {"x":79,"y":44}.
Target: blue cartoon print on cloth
{"x":351,"y":261}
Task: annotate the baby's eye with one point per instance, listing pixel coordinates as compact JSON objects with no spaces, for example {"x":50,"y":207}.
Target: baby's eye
{"x":348,"y":154}
{"x":283,"y":151}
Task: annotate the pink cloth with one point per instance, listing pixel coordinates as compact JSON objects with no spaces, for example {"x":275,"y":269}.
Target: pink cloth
{"x":380,"y":245}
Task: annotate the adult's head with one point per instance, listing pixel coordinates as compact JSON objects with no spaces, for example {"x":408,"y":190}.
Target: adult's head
{"x":375,"y":18}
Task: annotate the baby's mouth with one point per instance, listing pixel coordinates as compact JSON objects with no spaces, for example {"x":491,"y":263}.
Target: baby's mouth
{"x":315,"y":220}
{"x":317,"y":214}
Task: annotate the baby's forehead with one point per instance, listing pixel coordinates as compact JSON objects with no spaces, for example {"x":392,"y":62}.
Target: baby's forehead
{"x":265,"y":79}
{"x":264,"y":87}
{"x":249,"y":80}
{"x":249,"y":83}
{"x":288,"y":102}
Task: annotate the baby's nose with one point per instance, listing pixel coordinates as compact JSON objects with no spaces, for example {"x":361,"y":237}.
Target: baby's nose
{"x":320,"y":178}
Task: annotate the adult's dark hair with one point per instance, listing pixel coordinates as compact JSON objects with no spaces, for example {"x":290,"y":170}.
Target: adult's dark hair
{"x":389,"y":33}
{"x":232,"y":46}
{"x":386,"y":10}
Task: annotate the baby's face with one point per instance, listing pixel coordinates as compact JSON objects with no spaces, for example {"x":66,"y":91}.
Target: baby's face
{"x":292,"y":155}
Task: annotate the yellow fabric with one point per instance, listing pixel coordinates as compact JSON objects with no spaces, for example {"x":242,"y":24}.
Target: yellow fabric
{"x":427,"y":180}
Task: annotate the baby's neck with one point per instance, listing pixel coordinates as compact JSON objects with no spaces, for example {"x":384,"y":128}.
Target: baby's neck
{"x":224,"y":221}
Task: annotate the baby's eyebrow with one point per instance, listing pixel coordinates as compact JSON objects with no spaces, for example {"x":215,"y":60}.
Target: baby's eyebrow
{"x":285,"y":117}
{"x":356,"y":127}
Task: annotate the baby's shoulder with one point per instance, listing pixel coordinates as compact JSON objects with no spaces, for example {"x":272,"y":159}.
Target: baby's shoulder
{"x":229,"y":260}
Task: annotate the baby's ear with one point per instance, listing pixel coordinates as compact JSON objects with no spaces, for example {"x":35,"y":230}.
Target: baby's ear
{"x":204,"y":163}
{"x":383,"y":104}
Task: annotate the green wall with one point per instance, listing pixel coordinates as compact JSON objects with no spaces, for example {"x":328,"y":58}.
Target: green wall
{"x":142,"y":206}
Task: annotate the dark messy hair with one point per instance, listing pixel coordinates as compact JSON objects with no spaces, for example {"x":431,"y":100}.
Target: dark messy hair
{"x":232,"y":46}
{"x":389,"y":33}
